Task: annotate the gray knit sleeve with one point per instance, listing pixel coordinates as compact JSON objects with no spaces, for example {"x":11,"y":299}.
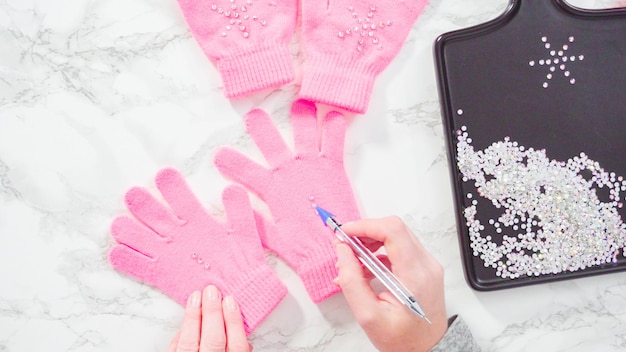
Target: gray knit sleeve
{"x":458,"y":338}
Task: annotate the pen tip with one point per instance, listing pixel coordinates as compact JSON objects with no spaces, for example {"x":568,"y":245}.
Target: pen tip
{"x":324,"y":214}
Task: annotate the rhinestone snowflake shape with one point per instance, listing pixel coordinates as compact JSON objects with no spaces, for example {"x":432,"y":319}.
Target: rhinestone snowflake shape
{"x":364,"y":29}
{"x":557,"y":58}
{"x":238,"y":17}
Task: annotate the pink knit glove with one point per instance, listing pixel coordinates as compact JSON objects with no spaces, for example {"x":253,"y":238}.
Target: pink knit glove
{"x":247,"y":40}
{"x":291,"y":184}
{"x":180,"y":248}
{"x":348,"y":43}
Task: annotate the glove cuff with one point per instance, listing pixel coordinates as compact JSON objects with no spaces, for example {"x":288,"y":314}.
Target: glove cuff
{"x":259,"y":296}
{"x":318,"y":273}
{"x":339,"y":80}
{"x":252,"y":70}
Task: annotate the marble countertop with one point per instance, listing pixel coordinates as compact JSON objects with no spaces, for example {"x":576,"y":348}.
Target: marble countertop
{"x":97,"y":96}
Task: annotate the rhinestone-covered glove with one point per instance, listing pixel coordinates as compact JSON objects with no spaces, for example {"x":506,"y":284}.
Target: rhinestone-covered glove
{"x":247,"y":40}
{"x":348,"y":43}
{"x":181,"y":248}
{"x":291,"y":184}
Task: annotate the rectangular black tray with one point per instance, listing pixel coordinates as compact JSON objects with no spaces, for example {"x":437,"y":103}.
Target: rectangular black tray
{"x":534,"y":109}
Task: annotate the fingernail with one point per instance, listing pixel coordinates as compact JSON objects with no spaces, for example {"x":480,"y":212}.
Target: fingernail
{"x":194,"y":299}
{"x":211,"y":293}
{"x":230,"y":303}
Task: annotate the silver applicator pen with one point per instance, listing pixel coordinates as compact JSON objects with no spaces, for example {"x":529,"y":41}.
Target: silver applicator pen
{"x":373,"y":264}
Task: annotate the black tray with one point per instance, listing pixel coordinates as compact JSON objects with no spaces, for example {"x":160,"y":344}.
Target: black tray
{"x":497,"y":88}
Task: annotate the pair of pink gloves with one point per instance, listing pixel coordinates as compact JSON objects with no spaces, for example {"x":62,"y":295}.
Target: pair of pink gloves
{"x":347,"y":44}
{"x":178,"y":247}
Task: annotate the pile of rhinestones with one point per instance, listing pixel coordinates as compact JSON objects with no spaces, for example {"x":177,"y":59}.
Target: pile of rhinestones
{"x":551,"y":220}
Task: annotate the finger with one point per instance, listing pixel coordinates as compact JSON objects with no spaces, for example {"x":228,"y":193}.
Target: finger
{"x":241,"y":169}
{"x":402,"y":247}
{"x":267,"y":138}
{"x":135,"y":235}
{"x":359,"y":294}
{"x":239,"y":212}
{"x":179,"y":196}
{"x":133,"y":263}
{"x":174,"y":342}
{"x":150,"y":211}
{"x":333,"y":135}
{"x":304,"y":123}
{"x":213,"y":338}
{"x":189,"y":340}
{"x":235,"y":330}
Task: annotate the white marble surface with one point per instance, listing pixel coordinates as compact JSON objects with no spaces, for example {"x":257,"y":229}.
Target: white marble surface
{"x":96,"y":96}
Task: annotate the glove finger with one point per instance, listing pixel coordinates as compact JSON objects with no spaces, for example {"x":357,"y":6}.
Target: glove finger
{"x":333,"y":135}
{"x":239,"y":212}
{"x":264,"y":133}
{"x":180,"y":197}
{"x":151,"y":212}
{"x":241,"y":169}
{"x":304,"y":123}
{"x":133,"y":263}
{"x":129,"y":232}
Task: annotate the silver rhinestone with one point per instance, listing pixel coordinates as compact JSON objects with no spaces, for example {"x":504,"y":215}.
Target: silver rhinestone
{"x":389,"y":23}
{"x":365,"y":26}
{"x":348,"y":31}
{"x":459,"y":112}
{"x":246,"y":34}
{"x":244,"y":8}
{"x":194,"y":255}
{"x":220,"y":10}
{"x":263,"y":23}
{"x":231,"y":21}
{"x":227,"y":13}
{"x":350,"y":8}
{"x":359,"y":21}
{"x":572,"y":81}
{"x":571,"y":39}
{"x":373,"y":8}
{"x":370,"y":14}
{"x":381,"y":25}
{"x":549,"y":76}
{"x":547,"y":45}
{"x":233,"y":6}
{"x":228,"y":28}
{"x":207,"y":266}
{"x":245,"y":16}
{"x":374,"y":40}
{"x":532,"y":63}
{"x":362,"y":33}
{"x":223,"y":34}
{"x":544,"y":39}
{"x":355,"y":15}
{"x":360,"y":41}
{"x":581,"y":57}
{"x":359,"y":48}
{"x":565,"y":46}
{"x":213,"y":7}
{"x":373,"y":26}
{"x":236,"y":14}
{"x":340,"y":34}
{"x":545,"y":84}
{"x":566,"y":73}
{"x":200,"y":260}
{"x":242,"y":28}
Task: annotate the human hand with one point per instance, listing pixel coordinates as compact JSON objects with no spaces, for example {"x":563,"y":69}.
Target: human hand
{"x":211,"y":325}
{"x":389,"y":325}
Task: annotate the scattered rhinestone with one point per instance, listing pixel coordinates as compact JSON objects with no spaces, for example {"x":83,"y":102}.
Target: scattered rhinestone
{"x":552,"y":219}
